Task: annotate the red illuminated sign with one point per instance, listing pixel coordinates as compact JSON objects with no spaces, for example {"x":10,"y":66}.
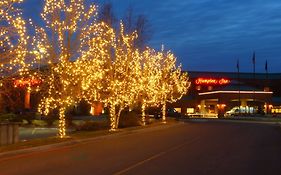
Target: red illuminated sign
{"x":212,"y":81}
{"x":27,"y":82}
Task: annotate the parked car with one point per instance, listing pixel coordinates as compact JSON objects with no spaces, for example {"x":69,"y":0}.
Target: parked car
{"x":235,"y":111}
{"x":157,"y":112}
{"x":232,"y":112}
{"x":171,"y":112}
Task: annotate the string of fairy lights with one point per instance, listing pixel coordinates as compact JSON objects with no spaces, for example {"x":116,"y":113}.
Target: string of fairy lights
{"x":13,"y":39}
{"x":85,"y":58}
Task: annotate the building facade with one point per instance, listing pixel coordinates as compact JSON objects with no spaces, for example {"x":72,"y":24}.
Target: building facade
{"x":217,"y":94}
{"x":212,"y":94}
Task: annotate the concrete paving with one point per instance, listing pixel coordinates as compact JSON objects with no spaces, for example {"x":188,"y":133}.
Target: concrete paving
{"x":33,"y":133}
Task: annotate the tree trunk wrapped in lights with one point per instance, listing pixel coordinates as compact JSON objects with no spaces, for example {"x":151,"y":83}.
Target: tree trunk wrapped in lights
{"x":62,"y":131}
{"x":143,"y":106}
{"x":113,"y":126}
{"x":164,"y":111}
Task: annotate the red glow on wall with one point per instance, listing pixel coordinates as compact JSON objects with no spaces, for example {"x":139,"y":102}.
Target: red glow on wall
{"x":27,"y":82}
{"x":212,"y":81}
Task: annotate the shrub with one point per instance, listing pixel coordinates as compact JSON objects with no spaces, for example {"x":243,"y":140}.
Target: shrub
{"x":93,"y":125}
{"x":28,"y":116}
{"x":129,"y":119}
{"x":50,"y":119}
{"x":9,"y":117}
{"x":39,"y":123}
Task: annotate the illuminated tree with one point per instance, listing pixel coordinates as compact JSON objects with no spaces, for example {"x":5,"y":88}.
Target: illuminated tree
{"x":64,"y":45}
{"x":12,"y":34}
{"x":13,"y":39}
{"x":95,"y":66}
{"x":13,"y":49}
{"x":123,"y":78}
{"x":116,"y":84}
{"x":161,"y":80}
{"x":149,"y":80}
{"x":173,"y":83}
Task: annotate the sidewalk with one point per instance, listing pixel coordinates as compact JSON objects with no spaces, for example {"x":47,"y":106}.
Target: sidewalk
{"x":76,"y":138}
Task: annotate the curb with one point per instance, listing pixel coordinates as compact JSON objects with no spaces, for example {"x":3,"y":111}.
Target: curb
{"x":232,"y":121}
{"x":53,"y":146}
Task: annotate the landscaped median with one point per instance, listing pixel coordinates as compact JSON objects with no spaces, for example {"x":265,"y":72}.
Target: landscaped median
{"x":75,"y":138}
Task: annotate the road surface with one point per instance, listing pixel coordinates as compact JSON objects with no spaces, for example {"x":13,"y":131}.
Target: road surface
{"x":188,"y":148}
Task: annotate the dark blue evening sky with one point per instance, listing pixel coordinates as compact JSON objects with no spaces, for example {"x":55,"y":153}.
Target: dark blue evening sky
{"x":208,"y":35}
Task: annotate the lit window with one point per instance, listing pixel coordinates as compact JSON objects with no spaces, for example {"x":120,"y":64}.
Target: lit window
{"x":189,"y":110}
{"x":210,"y":88}
{"x":178,"y":110}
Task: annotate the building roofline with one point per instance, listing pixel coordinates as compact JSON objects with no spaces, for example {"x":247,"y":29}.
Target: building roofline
{"x":220,"y":72}
{"x":235,"y":92}
{"x":234,"y":75}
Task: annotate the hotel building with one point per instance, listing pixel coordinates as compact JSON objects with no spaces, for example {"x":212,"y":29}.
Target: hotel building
{"x":215,"y":94}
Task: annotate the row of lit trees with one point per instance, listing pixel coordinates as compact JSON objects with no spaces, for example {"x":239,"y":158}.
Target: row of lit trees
{"x":87,"y":59}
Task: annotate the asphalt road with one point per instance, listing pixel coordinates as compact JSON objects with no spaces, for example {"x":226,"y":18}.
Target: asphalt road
{"x":190,"y":148}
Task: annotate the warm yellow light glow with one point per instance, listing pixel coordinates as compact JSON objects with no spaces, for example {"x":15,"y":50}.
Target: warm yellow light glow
{"x":74,"y":46}
{"x":83,"y":58}
{"x":13,"y":39}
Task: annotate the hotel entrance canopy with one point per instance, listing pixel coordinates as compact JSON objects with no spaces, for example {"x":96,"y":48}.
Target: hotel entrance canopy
{"x":224,"y":96}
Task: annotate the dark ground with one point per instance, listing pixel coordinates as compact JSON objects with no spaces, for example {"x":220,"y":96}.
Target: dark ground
{"x":190,"y":148}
